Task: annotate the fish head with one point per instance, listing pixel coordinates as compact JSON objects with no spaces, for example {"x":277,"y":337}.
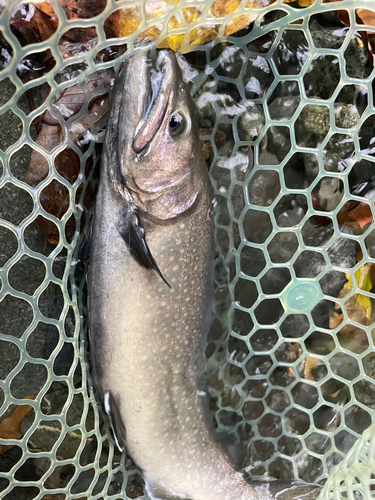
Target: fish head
{"x":160,"y":163}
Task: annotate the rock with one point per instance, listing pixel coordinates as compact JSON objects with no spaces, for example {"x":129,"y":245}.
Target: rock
{"x":312,"y":125}
{"x":290,"y":210}
{"x":347,"y":115}
{"x":338,"y":152}
{"x":251,"y":122}
{"x":264,"y":187}
{"x":357,"y":61}
{"x":230,"y":62}
{"x":327,"y":36}
{"x":283,"y":108}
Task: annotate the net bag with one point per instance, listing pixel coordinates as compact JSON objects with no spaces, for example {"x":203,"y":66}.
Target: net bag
{"x":284,"y":96}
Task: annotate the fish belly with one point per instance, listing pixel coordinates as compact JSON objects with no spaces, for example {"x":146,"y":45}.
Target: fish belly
{"x":148,"y":343}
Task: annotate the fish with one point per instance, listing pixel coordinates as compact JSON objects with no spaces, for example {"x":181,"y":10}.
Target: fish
{"x":150,"y":286}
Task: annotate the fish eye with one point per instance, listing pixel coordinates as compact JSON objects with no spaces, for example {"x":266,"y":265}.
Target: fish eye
{"x":177,"y":123}
{"x":173,"y":122}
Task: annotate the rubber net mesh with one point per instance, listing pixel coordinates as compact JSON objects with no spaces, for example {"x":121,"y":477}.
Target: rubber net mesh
{"x":286,"y":112}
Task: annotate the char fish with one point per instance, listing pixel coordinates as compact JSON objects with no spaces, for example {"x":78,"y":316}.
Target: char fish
{"x":151,"y":286}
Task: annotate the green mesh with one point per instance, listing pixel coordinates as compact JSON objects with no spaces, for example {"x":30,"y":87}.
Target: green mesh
{"x":299,"y":393}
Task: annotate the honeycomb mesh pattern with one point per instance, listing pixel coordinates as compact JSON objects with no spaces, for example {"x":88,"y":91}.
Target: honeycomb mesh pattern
{"x":291,"y":366}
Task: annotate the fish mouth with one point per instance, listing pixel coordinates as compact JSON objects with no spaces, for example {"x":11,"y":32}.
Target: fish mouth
{"x":159,"y":76}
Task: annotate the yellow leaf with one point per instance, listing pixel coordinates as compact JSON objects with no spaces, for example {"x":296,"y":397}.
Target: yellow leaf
{"x":10,"y":427}
{"x":157,"y":8}
{"x":202,"y":35}
{"x":238,"y":23}
{"x":150,"y":34}
{"x":173,"y":42}
{"x":358,"y":305}
{"x":302,"y":3}
{"x":310,"y":364}
{"x":365,"y":302}
{"x":222,"y":8}
{"x":232,"y":5}
{"x":362,"y":276}
{"x":306,"y":3}
{"x":129,"y":21}
{"x":184,"y":17}
{"x":180,"y":19}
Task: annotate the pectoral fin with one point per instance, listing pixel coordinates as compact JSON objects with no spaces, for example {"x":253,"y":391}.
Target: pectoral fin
{"x":135,"y":238}
{"x":115,"y":420}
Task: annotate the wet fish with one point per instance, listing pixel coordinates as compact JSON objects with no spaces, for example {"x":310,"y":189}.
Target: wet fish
{"x":150,"y":286}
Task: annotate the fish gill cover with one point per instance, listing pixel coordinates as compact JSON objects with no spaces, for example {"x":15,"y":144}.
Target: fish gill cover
{"x":284,"y":94}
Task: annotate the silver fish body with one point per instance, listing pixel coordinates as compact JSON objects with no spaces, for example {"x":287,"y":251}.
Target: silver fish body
{"x":147,"y":340}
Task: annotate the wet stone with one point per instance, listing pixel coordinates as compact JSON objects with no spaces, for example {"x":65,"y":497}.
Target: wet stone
{"x":29,"y":380}
{"x":9,"y":359}
{"x":251,"y":122}
{"x":317,"y":231}
{"x":291,"y":52}
{"x":10,"y":129}
{"x":332,"y":283}
{"x":329,"y":37}
{"x":15,"y":204}
{"x":16,"y":315}
{"x":312,"y":125}
{"x":264,"y":187}
{"x":357,"y":60}
{"x":230,"y":62}
{"x":346,"y":115}
{"x":283,"y":108}
{"x":338,"y":152}
{"x":282,"y":247}
{"x":19,"y":162}
{"x":42,"y":340}
{"x":27,"y":274}
{"x":328,"y":193}
{"x":315,"y":85}
{"x":45,"y":435}
{"x":206,"y":115}
{"x":278,"y":142}
{"x":290,"y":210}
{"x":258,"y":77}
{"x":7,"y":90}
{"x":343,"y":251}
{"x":8,"y":245}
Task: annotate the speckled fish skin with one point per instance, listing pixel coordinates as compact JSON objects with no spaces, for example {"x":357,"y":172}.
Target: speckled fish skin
{"x":147,"y":340}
